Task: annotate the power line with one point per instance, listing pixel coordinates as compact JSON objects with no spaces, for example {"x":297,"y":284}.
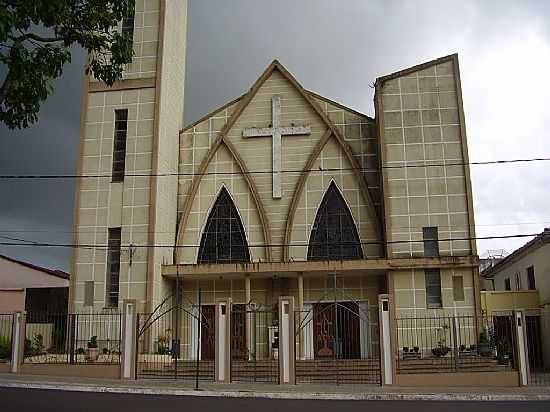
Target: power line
{"x":251,"y":230}
{"x":378,"y":242}
{"x":320,"y":169}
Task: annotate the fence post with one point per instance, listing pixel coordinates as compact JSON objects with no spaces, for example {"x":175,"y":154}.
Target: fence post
{"x":521,"y":347}
{"x":386,"y":352}
{"x":287,"y":339}
{"x":129,"y":339}
{"x":17,"y":341}
{"x":223,"y":341}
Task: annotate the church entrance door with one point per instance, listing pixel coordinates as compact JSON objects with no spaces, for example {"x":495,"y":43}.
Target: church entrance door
{"x":337,"y":342}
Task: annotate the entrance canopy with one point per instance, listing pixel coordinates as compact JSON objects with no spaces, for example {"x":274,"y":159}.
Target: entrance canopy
{"x":310,"y":268}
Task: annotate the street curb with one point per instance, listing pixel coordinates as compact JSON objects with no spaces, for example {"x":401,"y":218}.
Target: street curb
{"x":282,"y":395}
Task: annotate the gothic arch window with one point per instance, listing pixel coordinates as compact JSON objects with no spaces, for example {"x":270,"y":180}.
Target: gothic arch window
{"x":334,"y":235}
{"x":223,"y":239}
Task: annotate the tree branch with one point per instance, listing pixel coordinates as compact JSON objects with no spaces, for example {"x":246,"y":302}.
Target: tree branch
{"x":36,"y":37}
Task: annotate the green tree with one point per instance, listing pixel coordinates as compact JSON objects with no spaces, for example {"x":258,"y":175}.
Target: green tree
{"x":36,"y":37}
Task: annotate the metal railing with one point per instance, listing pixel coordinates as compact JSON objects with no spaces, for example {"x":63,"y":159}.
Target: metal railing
{"x":76,"y":338}
{"x":254,"y":344}
{"x":537,"y":332}
{"x":6,"y":330}
{"x":455,"y":344}
{"x":338,"y":342}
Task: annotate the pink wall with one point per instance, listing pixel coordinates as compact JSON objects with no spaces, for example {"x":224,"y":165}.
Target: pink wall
{"x":12,"y":300}
{"x":16,"y":276}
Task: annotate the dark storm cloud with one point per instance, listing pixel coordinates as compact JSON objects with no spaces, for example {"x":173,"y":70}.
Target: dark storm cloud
{"x":336,"y":48}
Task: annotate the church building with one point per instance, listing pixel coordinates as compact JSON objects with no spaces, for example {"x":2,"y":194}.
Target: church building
{"x":280,"y":192}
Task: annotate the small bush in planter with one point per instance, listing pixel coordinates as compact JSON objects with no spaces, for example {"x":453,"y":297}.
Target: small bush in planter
{"x":93,"y":352}
{"x":405,"y":349}
{"x":5,"y":347}
{"x":485,"y":348}
{"x":440,"y":351}
{"x":81,"y":351}
{"x":416,"y":349}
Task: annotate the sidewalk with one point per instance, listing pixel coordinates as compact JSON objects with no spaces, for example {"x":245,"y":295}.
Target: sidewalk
{"x":179,"y":388}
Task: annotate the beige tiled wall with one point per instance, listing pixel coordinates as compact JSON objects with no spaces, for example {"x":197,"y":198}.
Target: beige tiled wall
{"x":424,"y":175}
{"x":104,"y":204}
{"x":410,"y":294}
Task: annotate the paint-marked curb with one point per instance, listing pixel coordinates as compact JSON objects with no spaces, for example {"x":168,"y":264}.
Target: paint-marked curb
{"x":282,"y":395}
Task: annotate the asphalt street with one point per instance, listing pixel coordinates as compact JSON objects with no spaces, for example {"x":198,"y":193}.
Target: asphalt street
{"x":22,"y":400}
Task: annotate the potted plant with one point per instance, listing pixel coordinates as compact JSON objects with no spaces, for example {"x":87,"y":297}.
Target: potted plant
{"x":503,"y":352}
{"x":93,"y":352}
{"x":441,"y":350}
{"x":484,"y":348}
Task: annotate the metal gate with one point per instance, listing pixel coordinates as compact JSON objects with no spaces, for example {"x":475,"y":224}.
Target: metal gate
{"x":176,"y":343}
{"x":537,"y":332}
{"x":254,"y":346}
{"x":338,"y":342}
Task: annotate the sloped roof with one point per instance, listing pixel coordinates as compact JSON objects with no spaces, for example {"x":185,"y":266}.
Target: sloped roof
{"x":530,"y":246}
{"x":56,"y":273}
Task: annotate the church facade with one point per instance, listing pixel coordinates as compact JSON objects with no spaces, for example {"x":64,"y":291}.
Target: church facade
{"x":281,"y":192}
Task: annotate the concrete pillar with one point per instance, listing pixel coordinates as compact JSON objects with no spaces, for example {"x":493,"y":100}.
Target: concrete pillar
{"x":17,"y":342}
{"x":386,"y":350}
{"x":521,"y":348}
{"x":129,"y":339}
{"x":223,"y":341}
{"x":287,"y":346}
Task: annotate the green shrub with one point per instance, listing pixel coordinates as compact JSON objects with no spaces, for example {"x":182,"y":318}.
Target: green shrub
{"x":5,"y":347}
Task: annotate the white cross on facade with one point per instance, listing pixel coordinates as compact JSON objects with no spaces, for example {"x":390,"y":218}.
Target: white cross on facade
{"x":276,"y":133}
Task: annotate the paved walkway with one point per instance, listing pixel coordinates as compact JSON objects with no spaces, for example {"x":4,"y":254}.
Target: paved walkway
{"x":348,"y":392}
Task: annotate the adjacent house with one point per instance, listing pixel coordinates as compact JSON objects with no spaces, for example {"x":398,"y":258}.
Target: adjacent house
{"x":25,"y":286}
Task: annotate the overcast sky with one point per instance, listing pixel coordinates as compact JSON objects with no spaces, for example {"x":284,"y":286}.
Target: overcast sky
{"x":336,"y":48}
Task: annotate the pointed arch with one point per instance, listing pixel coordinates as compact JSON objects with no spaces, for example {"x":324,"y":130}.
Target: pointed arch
{"x":192,"y":193}
{"x":356,"y":170}
{"x":223,"y":239}
{"x":334,"y":235}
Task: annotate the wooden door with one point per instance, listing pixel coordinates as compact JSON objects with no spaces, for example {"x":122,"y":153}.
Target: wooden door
{"x":238,"y":332}
{"x":208,"y":332}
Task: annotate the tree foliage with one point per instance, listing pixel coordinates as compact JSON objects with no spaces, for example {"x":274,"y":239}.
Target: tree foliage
{"x":36,"y":37}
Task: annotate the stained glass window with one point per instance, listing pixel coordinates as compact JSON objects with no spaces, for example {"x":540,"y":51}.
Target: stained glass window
{"x":224,"y":240}
{"x":334,"y":235}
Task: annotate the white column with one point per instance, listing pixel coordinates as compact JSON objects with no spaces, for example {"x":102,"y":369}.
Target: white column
{"x":385,"y":340}
{"x":223,"y":341}
{"x":129,"y":337}
{"x":17,"y":341}
{"x":521,"y":348}
{"x":287,"y":345}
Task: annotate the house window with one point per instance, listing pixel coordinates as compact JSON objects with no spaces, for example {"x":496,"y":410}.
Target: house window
{"x":128,"y":22}
{"x":433,"y":288}
{"x":224,"y":239}
{"x":518,"y":281}
{"x":113,"y":267}
{"x":531,"y":278}
{"x":458,"y":288}
{"x":119,"y":145}
{"x":431,"y":241}
{"x":507,"y":284}
{"x":89,"y":293}
{"x":334,"y":235}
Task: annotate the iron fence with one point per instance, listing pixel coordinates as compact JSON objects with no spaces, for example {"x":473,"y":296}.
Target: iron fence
{"x":455,"y":344}
{"x":254,"y":344}
{"x":176,"y":343}
{"x":6,"y":330}
{"x":537,"y":332}
{"x":338,"y":342}
{"x":78,"y":338}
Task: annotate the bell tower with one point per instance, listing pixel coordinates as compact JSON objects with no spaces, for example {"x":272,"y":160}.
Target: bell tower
{"x":129,"y":144}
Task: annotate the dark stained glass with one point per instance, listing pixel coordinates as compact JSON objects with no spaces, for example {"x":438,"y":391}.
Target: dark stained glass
{"x":334,"y":235}
{"x":223,"y":240}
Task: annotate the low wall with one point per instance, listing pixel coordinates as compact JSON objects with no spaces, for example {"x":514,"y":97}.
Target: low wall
{"x":80,"y":371}
{"x":486,"y":379}
{"x":4,"y":367}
